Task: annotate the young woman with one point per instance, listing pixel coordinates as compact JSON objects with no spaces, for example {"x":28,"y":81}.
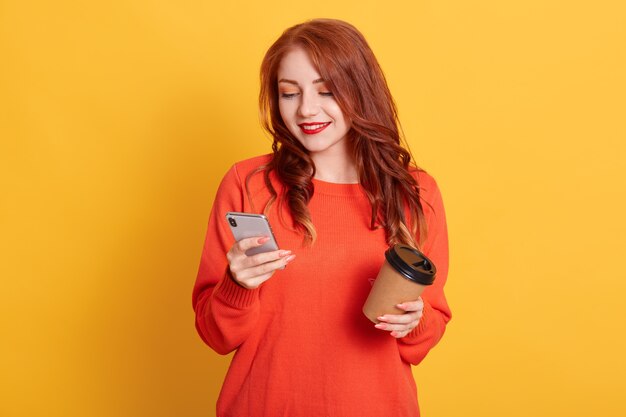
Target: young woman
{"x":338,"y":189}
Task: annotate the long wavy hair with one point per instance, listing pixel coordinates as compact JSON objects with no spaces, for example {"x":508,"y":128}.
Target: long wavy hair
{"x":351,"y":72}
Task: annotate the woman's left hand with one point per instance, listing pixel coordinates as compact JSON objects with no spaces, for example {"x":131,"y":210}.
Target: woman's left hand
{"x":401,"y":324}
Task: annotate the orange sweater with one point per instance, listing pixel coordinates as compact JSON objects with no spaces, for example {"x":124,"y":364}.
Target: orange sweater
{"x":303,"y":346}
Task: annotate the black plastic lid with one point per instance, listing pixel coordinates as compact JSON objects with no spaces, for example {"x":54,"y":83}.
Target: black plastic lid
{"x":411,"y":264}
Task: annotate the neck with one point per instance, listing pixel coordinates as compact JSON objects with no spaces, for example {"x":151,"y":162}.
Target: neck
{"x":337,"y":169}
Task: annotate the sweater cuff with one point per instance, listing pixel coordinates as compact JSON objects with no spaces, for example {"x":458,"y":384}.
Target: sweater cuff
{"x":233,"y":294}
{"x":422,"y":324}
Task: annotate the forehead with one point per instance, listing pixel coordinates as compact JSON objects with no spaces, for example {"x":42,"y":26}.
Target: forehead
{"x":296,"y":65}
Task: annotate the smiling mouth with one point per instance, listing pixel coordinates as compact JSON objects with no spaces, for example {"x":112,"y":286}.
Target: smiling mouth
{"x":312,"y":128}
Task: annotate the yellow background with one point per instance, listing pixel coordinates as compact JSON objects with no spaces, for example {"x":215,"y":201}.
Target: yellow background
{"x":119,"y":118}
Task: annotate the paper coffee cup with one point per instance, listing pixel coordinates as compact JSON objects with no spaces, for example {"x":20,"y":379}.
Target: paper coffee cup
{"x":403,"y":277}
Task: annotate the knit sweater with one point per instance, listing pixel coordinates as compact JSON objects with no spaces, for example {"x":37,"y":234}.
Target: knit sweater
{"x":303,"y":346}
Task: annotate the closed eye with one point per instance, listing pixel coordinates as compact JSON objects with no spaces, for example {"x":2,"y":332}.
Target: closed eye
{"x":326,"y":94}
{"x":288,"y":95}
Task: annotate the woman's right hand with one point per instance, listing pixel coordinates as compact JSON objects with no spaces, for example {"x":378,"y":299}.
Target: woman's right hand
{"x":252,"y":271}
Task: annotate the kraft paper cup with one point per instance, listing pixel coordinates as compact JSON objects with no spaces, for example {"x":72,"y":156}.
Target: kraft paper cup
{"x":403,"y":277}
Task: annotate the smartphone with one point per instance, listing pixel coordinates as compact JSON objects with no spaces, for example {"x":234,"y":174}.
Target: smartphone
{"x":245,"y":225}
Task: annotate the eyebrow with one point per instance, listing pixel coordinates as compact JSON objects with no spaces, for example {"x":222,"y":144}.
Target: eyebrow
{"x":284,"y":80}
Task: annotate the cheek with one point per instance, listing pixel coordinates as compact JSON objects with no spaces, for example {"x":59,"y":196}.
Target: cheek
{"x":337,"y":115}
{"x":287,"y":114}
{"x":281,"y":110}
{"x":286,"y":111}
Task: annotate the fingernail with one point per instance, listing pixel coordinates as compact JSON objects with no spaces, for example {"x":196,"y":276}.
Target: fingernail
{"x":289,"y":259}
{"x":381,"y":318}
{"x":263,"y":240}
{"x":380,"y":326}
{"x":284,"y":253}
{"x":399,"y":305}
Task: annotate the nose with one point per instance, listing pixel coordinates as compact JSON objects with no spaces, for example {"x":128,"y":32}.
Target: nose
{"x":309,"y":105}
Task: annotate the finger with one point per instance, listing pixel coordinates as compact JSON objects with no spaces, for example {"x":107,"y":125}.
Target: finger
{"x":241,"y":269}
{"x":399,"y":335}
{"x":251,"y":242}
{"x":397,"y":327}
{"x":400,"y":318}
{"x":266,"y":268}
{"x":412,"y":305}
{"x":261,"y":258}
{"x":256,"y":281}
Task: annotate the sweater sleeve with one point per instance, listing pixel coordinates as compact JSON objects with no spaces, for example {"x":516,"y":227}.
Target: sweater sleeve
{"x":225,"y":312}
{"x":415,"y":345}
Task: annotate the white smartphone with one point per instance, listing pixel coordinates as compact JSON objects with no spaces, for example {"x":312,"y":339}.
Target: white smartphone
{"x":245,"y":225}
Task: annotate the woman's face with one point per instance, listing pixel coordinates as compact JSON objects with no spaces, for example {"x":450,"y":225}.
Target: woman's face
{"x":308,"y":109}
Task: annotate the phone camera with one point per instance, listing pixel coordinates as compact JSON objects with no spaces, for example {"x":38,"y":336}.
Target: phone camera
{"x":232,"y":222}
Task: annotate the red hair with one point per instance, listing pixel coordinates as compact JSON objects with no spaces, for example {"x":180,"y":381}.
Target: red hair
{"x":351,"y":72}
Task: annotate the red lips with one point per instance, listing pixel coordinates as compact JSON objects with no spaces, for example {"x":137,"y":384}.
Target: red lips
{"x":313,"y":128}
